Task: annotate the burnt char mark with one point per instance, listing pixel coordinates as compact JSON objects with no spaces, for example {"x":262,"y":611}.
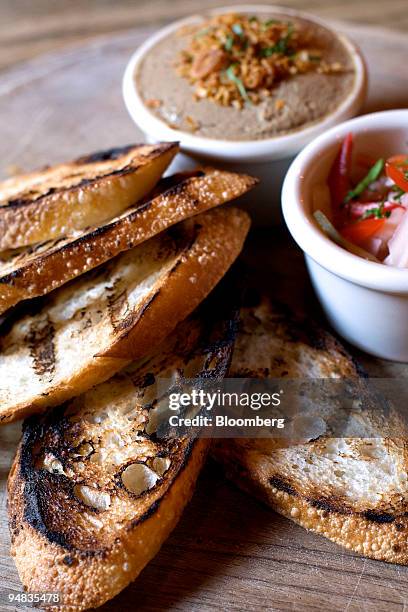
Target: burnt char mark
{"x":37,"y":498}
{"x":40,"y":340}
{"x":36,"y":495}
{"x":328,"y":505}
{"x":332,"y":505}
{"x":106,"y":155}
{"x":99,"y":232}
{"x":379,"y":517}
{"x":219,"y":313}
{"x":125,"y":325}
{"x":309,"y":331}
{"x":175,"y":183}
{"x":279,"y":483}
{"x":148,"y":380}
{"x":118,"y":309}
{"x":68,"y":560}
{"x":12,"y":315}
{"x":21,"y":202}
{"x":117,"y":152}
{"x":39,"y":484}
{"x":128,"y":169}
{"x":167,"y":187}
{"x":36,"y":429}
{"x":36,"y":491}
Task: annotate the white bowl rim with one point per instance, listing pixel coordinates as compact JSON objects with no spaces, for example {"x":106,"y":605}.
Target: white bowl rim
{"x":251,"y":149}
{"x":312,"y":240}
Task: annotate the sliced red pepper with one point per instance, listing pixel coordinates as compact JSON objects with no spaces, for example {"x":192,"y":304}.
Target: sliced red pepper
{"x":339,"y":177}
{"x":360,"y":231}
{"x":396,"y":169}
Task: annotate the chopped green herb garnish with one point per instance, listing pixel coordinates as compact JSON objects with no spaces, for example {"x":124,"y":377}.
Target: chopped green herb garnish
{"x":267,"y":24}
{"x":377,"y":212}
{"x":315,"y":58}
{"x":238,"y":82}
{"x":282,"y":46}
{"x":253,"y":18}
{"x":371,"y":176}
{"x":398,"y":192}
{"x":229,"y":43}
{"x":237,"y":29}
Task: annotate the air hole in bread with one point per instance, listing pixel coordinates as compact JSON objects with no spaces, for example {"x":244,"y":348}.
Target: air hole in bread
{"x":138,"y":478}
{"x":100,"y":500}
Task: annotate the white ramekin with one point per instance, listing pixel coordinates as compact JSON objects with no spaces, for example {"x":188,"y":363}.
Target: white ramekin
{"x":366,"y":302}
{"x":253,"y":156}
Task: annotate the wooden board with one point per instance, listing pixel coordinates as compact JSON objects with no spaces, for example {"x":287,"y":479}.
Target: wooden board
{"x":229,"y":552}
{"x":29,"y":28}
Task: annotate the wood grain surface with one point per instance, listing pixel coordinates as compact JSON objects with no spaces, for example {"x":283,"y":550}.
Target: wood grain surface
{"x":32,"y":27}
{"x":229,"y":552}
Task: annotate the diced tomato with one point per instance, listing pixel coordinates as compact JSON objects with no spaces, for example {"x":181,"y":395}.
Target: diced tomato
{"x":399,"y":160}
{"x":339,"y":177}
{"x":358,"y":232}
{"x":396,"y":169}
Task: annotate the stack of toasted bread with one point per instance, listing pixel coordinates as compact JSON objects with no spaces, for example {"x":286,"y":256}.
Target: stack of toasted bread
{"x":103,"y":266}
{"x":108,"y":277}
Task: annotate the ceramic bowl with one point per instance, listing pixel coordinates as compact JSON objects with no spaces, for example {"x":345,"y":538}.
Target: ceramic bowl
{"x":366,"y":302}
{"x":267,"y":158}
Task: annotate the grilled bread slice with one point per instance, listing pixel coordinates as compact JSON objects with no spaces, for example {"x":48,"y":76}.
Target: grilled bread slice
{"x":94,"y":492}
{"x":82,"y":193}
{"x":86,"y":331}
{"x":38,"y":270}
{"x":353,"y":490}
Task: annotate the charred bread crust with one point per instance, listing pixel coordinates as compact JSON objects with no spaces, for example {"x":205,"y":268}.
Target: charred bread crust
{"x":72,"y":446}
{"x":376,"y":534}
{"x":264,"y":317}
{"x":208,"y":245}
{"x":263,"y":468}
{"x":40,"y":269}
{"x":69,"y":197}
{"x":87,"y":580}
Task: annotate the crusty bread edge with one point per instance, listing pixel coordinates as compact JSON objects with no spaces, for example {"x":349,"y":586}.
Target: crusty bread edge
{"x":40,"y":219}
{"x":89,"y":581}
{"x":186,"y":286}
{"x":50,"y":270}
{"x":380,"y":537}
